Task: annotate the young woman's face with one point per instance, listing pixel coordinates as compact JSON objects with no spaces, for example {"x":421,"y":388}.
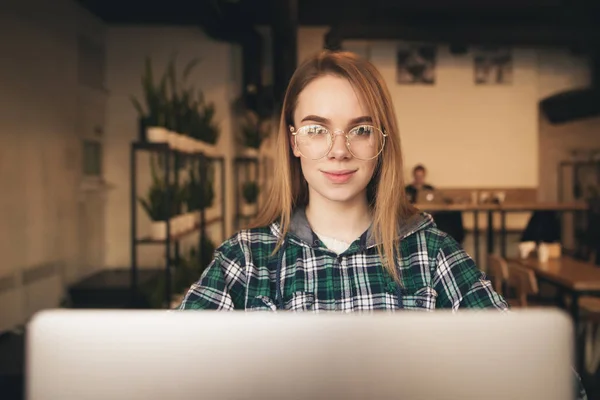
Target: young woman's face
{"x":329,"y":104}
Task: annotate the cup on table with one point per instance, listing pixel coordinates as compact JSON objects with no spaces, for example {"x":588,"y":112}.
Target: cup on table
{"x":543,"y":252}
{"x":525,"y":248}
{"x":474,"y":197}
{"x":500,"y":196}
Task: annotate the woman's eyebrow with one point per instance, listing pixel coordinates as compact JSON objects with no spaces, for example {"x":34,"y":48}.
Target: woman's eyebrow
{"x":316,"y":118}
{"x":359,"y":120}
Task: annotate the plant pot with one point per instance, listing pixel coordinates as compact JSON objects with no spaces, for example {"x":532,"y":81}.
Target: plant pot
{"x":197,"y":217}
{"x":181,"y":142}
{"x":190,"y":220}
{"x":181,"y":223}
{"x":248,"y":209}
{"x":209,"y":150}
{"x":250,"y":152}
{"x":158,"y":230}
{"x":174,"y":222}
{"x":211,"y":212}
{"x":173,"y":138}
{"x":157,"y":134}
{"x":196,"y":145}
{"x":188,"y":144}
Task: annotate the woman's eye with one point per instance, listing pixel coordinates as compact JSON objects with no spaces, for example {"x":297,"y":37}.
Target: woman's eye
{"x":316,"y":130}
{"x":363,"y":130}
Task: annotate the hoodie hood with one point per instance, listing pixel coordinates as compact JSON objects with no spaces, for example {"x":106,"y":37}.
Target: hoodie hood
{"x":300,"y":228}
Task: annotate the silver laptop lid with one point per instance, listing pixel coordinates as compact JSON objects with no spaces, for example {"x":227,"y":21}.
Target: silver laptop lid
{"x":131,"y":355}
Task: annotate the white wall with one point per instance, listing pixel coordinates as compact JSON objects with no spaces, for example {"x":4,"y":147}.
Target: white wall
{"x":462,"y":132}
{"x":218,"y":75}
{"x":469,"y":135}
{"x":39,"y":153}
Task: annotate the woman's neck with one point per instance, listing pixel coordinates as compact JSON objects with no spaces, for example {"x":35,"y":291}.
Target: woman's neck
{"x":344,"y":221}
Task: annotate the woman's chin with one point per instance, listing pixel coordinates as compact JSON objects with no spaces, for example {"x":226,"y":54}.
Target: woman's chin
{"x":342,"y":194}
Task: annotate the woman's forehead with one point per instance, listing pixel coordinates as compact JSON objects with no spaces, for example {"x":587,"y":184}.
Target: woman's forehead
{"x":332,"y":98}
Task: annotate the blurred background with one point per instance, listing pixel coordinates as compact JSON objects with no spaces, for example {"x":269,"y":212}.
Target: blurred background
{"x":137,"y":136}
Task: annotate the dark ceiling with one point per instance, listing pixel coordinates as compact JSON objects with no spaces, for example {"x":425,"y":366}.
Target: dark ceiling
{"x":327,"y":12}
{"x":545,"y":22}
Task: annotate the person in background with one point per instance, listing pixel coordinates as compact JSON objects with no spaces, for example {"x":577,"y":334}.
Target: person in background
{"x":447,"y":221}
{"x":338,"y":233}
{"x":412,"y":191}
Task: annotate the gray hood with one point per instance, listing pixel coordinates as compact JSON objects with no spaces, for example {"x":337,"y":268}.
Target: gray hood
{"x":300,"y":228}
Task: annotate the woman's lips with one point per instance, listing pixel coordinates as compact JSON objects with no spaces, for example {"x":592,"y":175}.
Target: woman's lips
{"x":338,"y":176}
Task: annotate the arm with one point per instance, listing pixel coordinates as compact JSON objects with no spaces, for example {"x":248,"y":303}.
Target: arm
{"x":459,"y":283}
{"x":221,"y":287}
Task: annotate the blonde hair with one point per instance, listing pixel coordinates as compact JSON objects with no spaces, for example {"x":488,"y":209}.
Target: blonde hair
{"x":385,"y":192}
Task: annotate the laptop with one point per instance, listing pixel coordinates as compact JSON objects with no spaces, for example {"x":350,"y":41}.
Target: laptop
{"x":426,"y":196}
{"x":147,"y":355}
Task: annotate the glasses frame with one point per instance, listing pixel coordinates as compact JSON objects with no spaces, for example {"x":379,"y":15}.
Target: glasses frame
{"x":333,"y":135}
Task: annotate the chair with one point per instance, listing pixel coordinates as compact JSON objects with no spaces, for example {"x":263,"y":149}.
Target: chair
{"x":590,"y":308}
{"x":499,"y":271}
{"x":523,"y":281}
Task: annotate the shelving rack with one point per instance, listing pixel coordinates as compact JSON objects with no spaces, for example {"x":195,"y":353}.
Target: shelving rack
{"x":171,"y":243}
{"x":240,"y":163}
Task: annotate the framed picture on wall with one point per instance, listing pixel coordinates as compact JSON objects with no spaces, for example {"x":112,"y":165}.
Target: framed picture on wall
{"x":493,"y":66}
{"x":415,"y":64}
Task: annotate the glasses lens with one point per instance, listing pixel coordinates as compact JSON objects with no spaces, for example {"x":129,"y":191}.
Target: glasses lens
{"x":366,"y":142}
{"x":313,"y":141}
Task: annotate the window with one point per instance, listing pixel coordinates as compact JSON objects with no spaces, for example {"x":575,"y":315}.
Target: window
{"x":92,"y":158}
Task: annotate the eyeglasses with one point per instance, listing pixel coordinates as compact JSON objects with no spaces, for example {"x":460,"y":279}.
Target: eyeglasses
{"x":364,"y":142}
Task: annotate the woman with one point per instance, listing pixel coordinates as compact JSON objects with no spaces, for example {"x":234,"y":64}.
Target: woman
{"x":337,"y":231}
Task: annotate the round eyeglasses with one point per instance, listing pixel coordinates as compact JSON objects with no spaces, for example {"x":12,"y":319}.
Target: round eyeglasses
{"x":364,"y":142}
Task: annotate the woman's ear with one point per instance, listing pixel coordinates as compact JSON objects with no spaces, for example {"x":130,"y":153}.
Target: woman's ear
{"x":293,"y":141}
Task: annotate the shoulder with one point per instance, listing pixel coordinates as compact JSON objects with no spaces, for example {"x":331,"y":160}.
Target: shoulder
{"x":246,"y":242}
{"x":444,"y":249}
{"x":438,"y":250}
{"x":427,"y":238}
{"x":449,"y":262}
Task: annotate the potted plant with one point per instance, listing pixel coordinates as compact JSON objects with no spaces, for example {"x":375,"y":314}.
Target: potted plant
{"x":154,"y":115}
{"x":184,"y":219}
{"x":250,"y":191}
{"x":155,"y":204}
{"x":202,"y":125}
{"x":253,"y":132}
{"x":180,"y":104}
{"x":201,"y":196}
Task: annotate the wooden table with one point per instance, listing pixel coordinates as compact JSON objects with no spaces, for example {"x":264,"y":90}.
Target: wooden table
{"x":574,"y":277}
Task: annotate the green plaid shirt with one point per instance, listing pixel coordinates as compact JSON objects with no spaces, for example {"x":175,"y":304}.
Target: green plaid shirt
{"x":304,"y":275}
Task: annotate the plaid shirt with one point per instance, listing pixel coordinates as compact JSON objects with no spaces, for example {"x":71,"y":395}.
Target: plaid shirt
{"x":304,"y":275}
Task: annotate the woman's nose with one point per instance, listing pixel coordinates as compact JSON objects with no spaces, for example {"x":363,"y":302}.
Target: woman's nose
{"x":339,"y":150}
